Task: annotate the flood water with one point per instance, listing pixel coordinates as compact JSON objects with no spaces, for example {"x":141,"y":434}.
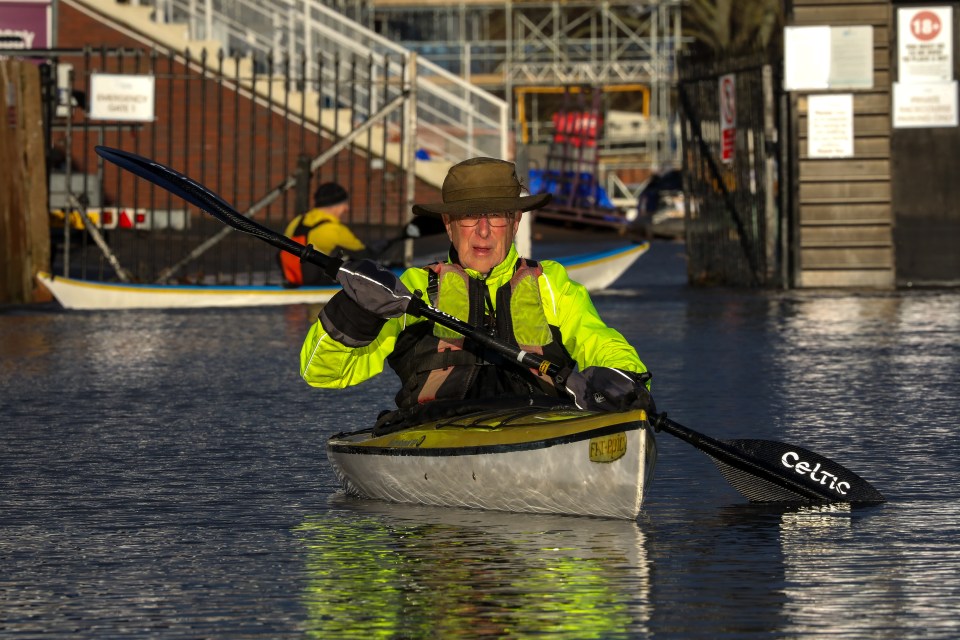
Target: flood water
{"x":162,"y":474}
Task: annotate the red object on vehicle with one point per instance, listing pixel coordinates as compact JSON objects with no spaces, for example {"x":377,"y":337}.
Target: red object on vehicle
{"x":578,"y":128}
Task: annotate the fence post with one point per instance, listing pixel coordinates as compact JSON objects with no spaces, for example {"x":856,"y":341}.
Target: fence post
{"x":410,"y":148}
{"x":301,"y":197}
{"x":24,"y":216}
{"x":772,"y":234}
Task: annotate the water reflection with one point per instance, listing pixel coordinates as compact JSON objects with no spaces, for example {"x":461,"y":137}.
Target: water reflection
{"x":413,"y":571}
{"x":162,"y":475}
{"x":855,"y":366}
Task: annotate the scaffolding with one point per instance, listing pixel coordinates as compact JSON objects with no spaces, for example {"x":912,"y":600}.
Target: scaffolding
{"x":531,"y":51}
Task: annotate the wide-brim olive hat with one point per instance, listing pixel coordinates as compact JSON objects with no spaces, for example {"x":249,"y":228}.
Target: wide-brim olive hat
{"x":482,"y":185}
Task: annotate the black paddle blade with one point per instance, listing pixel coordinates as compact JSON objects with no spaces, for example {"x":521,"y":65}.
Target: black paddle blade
{"x":769,"y":471}
{"x":823,"y":479}
{"x":171,"y":180}
{"x":198,"y":195}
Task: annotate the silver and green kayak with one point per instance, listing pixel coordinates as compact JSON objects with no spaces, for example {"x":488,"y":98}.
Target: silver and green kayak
{"x":554,"y":460}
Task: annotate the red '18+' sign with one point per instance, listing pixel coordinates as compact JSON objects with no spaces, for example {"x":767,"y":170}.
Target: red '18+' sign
{"x":925,"y":25}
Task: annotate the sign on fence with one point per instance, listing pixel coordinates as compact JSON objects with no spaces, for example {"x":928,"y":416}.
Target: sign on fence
{"x":121,"y":97}
{"x":728,"y":117}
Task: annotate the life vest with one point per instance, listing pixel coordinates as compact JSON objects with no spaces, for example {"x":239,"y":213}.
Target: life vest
{"x":436,"y":363}
{"x":289,"y":263}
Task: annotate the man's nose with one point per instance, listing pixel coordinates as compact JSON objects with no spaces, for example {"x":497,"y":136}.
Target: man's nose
{"x":483,"y":227}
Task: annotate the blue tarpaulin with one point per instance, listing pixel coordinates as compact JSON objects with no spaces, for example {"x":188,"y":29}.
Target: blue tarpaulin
{"x":588,"y":195}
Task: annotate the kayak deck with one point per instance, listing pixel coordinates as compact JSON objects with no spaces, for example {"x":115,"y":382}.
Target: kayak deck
{"x":534,"y":460}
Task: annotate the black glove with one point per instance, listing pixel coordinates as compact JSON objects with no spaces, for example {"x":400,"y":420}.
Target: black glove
{"x":371,"y":294}
{"x":374,"y":288}
{"x":606,"y":389}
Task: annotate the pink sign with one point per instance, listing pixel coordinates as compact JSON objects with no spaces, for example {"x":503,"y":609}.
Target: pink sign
{"x":728,"y":117}
{"x":25,"y":24}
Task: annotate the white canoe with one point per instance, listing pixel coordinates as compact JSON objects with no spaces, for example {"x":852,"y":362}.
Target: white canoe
{"x":531,"y":460}
{"x":596,"y":271}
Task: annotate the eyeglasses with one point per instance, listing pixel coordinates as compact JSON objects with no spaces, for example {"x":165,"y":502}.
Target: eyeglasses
{"x":493,"y":219}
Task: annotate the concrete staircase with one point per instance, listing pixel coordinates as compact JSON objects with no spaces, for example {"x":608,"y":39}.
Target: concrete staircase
{"x":432,"y":85}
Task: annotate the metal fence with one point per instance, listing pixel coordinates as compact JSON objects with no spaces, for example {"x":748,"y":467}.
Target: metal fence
{"x":731,"y":171}
{"x":257,"y":135}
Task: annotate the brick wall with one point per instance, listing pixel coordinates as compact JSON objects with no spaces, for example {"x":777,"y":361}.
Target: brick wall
{"x":208,"y":131}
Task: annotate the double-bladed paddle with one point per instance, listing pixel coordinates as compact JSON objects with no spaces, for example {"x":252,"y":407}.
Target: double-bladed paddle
{"x":762,"y":470}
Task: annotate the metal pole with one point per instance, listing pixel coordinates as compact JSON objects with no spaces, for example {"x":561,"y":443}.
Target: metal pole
{"x":67,"y":173}
{"x":769,"y":173}
{"x":208,"y":20}
{"x":409,"y":145}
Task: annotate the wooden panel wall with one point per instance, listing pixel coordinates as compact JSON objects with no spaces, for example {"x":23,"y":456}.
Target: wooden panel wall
{"x":843,"y":221}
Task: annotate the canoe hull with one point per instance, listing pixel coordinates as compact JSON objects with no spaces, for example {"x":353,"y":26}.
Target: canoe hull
{"x":91,"y":295}
{"x":568,"y":462}
{"x":595,"y":271}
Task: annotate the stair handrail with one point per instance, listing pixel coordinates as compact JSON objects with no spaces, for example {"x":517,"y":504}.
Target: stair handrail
{"x":456,"y":120}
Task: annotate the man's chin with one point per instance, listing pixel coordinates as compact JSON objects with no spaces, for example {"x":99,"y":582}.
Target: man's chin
{"x":481,"y":265}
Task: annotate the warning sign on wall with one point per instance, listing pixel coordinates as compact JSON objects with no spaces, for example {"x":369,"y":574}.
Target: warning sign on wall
{"x":925,"y":105}
{"x":925,"y":45}
{"x":728,"y":117}
{"x":830,"y":125}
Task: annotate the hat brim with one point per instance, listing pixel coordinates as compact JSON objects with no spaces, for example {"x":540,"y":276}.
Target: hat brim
{"x":483,"y":205}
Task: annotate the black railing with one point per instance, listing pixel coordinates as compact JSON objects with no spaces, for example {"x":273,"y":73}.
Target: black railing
{"x":257,"y":132}
{"x":730,"y":137}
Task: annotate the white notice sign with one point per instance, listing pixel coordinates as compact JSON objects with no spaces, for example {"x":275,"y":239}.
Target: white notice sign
{"x":851,"y":58}
{"x":806,"y":63}
{"x":121,"y":97}
{"x":828,"y":58}
{"x":925,"y":44}
{"x":830,"y":126}
{"x":924,"y":105}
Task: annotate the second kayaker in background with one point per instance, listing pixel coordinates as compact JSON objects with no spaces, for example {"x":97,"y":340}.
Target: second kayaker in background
{"x":526,"y":303}
{"x":324,"y":229}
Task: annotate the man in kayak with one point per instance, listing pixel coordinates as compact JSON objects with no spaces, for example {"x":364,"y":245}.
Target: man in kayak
{"x":532,"y":305}
{"x":322,"y":227}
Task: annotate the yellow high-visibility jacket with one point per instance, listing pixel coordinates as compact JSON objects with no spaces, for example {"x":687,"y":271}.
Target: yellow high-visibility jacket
{"x":326,"y":363}
{"x":327,"y":237}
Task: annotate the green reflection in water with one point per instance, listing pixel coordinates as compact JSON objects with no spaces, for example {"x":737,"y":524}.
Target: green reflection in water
{"x":420,"y":572}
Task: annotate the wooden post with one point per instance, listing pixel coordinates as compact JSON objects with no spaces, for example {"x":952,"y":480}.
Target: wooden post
{"x":24,"y":215}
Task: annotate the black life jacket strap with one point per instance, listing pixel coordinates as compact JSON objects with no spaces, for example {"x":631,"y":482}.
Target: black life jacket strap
{"x":304,"y":230}
{"x":448,"y":358}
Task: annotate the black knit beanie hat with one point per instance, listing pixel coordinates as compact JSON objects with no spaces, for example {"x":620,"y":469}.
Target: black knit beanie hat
{"x":329,"y":194}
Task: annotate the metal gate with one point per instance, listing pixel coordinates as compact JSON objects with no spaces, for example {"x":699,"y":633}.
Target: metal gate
{"x":733,"y":227}
{"x":259,"y":133}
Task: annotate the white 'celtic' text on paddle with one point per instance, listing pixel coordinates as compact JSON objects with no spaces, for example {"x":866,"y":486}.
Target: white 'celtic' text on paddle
{"x":791,"y":460}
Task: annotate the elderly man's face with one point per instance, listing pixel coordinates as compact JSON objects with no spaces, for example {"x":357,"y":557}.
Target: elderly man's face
{"x":482,"y":245}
